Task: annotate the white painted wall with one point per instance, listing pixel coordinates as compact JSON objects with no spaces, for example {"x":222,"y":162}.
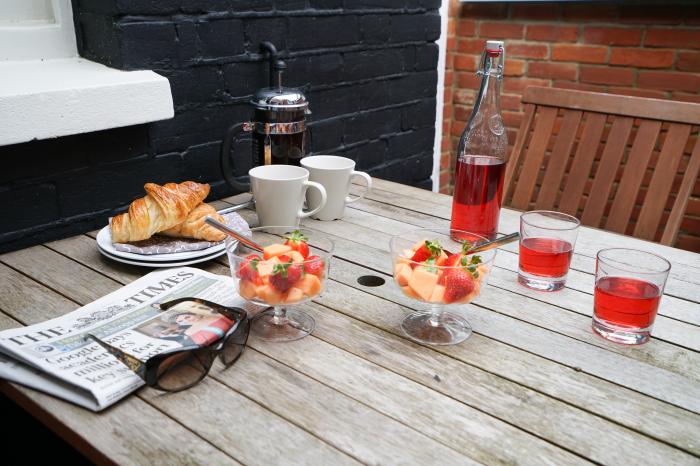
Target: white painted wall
{"x":36,"y":30}
{"x":47,"y":90}
{"x":440,"y":96}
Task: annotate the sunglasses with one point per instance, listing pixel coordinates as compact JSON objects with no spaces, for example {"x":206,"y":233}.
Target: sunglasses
{"x":181,"y":368}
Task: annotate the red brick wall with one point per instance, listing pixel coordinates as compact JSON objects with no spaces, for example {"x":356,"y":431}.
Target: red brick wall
{"x":649,"y":51}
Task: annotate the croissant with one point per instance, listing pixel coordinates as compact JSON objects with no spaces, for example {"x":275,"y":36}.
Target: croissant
{"x":194,"y":226}
{"x":163,"y":207}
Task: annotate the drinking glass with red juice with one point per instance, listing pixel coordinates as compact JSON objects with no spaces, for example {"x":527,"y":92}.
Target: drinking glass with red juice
{"x":546,"y":245}
{"x":628,"y":289}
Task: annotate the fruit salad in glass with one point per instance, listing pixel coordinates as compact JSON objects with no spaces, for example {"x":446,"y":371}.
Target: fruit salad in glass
{"x":292,"y":268}
{"x":434,"y":266}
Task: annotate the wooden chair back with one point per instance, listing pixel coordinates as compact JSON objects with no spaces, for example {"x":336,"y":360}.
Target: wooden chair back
{"x":625,"y":164}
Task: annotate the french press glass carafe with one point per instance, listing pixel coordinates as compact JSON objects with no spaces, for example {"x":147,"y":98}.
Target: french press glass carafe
{"x":278,"y":125}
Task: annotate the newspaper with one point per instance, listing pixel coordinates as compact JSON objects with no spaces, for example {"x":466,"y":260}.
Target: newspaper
{"x":56,"y":356}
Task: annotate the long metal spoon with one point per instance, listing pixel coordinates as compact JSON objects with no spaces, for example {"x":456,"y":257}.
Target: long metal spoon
{"x":233,"y":234}
{"x":479,"y":247}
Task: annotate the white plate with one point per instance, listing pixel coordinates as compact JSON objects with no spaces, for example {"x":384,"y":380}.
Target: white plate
{"x":156,"y":264}
{"x":104,"y":242}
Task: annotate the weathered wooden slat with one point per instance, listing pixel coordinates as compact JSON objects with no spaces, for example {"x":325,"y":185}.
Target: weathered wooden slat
{"x":607,"y":170}
{"x":516,"y":154}
{"x":564,"y":426}
{"x":568,"y":384}
{"x":237,"y":424}
{"x":639,"y":107}
{"x":583,"y":161}
{"x":554,"y":172}
{"x":637,"y":163}
{"x":684,"y":192}
{"x":132,"y":432}
{"x":532,"y":161}
{"x":51,"y":269}
{"x":351,"y":426}
{"x":491,"y":441}
{"x":661,"y":181}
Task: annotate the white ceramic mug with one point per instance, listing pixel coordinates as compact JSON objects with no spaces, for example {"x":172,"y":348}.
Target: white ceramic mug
{"x":335,"y":174}
{"x":279,"y":192}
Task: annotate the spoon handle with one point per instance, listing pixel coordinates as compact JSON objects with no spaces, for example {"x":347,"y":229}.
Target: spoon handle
{"x":234,"y":208}
{"x":232,"y":233}
{"x":478,"y":247}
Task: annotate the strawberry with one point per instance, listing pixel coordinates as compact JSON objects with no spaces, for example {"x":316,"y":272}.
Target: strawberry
{"x":453,"y":260}
{"x":314,"y":265}
{"x":249,"y":269}
{"x":458,"y":284}
{"x":426,"y":251}
{"x":285,"y":275}
{"x":297,"y":241}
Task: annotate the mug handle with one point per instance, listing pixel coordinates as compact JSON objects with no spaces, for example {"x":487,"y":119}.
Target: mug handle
{"x":367,"y":178}
{"x":324,"y":198}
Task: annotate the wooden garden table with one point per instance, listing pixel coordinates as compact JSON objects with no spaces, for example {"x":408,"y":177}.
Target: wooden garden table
{"x":533,"y":384}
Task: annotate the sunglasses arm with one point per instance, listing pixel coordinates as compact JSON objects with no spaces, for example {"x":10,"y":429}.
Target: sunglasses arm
{"x":136,"y":365}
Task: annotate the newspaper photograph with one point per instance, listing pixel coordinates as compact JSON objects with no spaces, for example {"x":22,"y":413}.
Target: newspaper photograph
{"x":59,"y":357}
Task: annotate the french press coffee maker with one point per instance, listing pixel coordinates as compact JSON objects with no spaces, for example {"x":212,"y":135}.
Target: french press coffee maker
{"x":278,"y":125}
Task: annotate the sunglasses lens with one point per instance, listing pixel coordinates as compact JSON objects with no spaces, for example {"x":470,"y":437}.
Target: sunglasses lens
{"x":182,"y":370}
{"x":236,"y":342}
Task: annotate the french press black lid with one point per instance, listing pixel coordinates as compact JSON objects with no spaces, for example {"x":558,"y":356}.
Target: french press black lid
{"x":278,"y":125}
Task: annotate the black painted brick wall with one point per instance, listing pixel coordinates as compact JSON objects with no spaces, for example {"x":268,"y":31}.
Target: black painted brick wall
{"x":368,"y":68}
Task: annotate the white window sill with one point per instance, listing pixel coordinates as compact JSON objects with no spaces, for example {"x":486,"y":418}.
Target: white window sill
{"x":42,"y":99}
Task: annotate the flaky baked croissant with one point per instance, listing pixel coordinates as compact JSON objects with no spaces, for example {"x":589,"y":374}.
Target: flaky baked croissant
{"x":162,"y":208}
{"x":194,"y":226}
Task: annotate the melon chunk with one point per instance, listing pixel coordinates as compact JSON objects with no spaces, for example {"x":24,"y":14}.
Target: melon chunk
{"x":265,"y":267}
{"x":310,"y":284}
{"x":422,"y":282}
{"x":403,"y":274}
{"x":270,"y":295}
{"x":438,"y":294}
{"x":247,"y":289}
{"x":275,"y":250}
{"x":410,"y":292}
{"x":296,"y":256}
{"x":293,"y":295}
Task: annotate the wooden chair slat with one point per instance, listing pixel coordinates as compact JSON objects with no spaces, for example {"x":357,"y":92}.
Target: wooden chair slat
{"x":684,"y":192}
{"x":639,"y":107}
{"x":554,"y":171}
{"x":534,"y":156}
{"x":607,"y":170}
{"x":583,"y":161}
{"x":518,"y":146}
{"x":636,"y":166}
{"x":662,"y":181}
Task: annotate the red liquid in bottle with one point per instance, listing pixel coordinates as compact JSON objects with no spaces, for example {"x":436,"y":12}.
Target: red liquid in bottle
{"x":545,"y":257}
{"x":478,"y":194}
{"x":626,"y":301}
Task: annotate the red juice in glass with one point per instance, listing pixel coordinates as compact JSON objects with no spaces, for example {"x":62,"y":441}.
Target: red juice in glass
{"x":628,"y":288}
{"x":547,"y":241}
{"x":478,"y":194}
{"x":545,"y":257}
{"x":626,"y":302}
